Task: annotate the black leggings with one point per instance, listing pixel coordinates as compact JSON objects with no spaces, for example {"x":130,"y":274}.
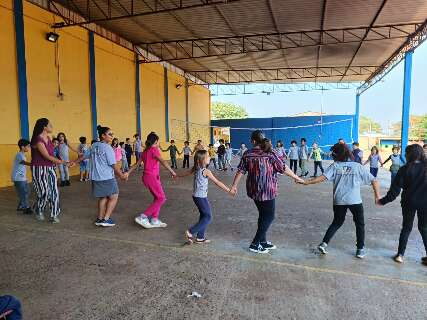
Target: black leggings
{"x":186,"y":162}
{"x":339,"y":218}
{"x":316,"y":165}
{"x":408,"y":221}
{"x":294,"y":165}
{"x":266,"y":217}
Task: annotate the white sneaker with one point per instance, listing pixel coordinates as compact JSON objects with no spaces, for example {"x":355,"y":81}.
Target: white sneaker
{"x":156,"y":223}
{"x":143,"y":221}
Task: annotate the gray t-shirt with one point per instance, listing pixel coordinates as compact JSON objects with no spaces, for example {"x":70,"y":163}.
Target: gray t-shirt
{"x":200,"y":185}
{"x":64,"y":153}
{"x":102,"y":161}
{"x":373,"y":160}
{"x":293,"y":153}
{"x":303,"y":152}
{"x":19,"y":171}
{"x":186,"y":150}
{"x":347,"y":178}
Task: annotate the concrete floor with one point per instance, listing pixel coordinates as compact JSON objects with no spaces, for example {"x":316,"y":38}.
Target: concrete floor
{"x":75,"y":270}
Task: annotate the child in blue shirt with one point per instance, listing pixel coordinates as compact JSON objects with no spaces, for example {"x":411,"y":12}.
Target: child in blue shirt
{"x":19,"y":176}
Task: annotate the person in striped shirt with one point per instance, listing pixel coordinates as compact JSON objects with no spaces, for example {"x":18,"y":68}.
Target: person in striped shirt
{"x":262,"y":165}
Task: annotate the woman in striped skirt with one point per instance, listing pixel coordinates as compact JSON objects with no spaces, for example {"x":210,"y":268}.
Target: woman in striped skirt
{"x":43,"y":170}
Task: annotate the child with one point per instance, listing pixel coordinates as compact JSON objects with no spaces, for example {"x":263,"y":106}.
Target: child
{"x":84,"y":164}
{"x":262,"y":189}
{"x":303,"y":157}
{"x":102,"y":173}
{"x":347,"y":177}
{"x":64,"y":155}
{"x":357,"y":153}
{"x":137,"y":146}
{"x":151,"y":179}
{"x":187,"y":152}
{"x":125,"y":167}
{"x":221,"y":155}
{"x":19,"y":176}
{"x":200,"y":196}
{"x":198,"y":146}
{"x":212,"y":155}
{"x":173,"y":150}
{"x":128,"y":150}
{"x":280,"y":150}
{"x":242,"y":150}
{"x":293,"y":156}
{"x":117,"y":150}
{"x":228,"y":156}
{"x":396,"y":162}
{"x":373,"y":160}
{"x":316,"y":154}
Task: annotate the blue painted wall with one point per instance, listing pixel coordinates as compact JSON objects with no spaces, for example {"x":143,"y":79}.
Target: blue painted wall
{"x":324,"y":135}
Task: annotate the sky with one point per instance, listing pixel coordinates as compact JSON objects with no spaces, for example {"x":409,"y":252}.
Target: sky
{"x":382,"y":102}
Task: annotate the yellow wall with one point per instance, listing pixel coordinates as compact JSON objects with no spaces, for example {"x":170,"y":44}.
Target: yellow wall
{"x":115,"y":81}
{"x":199,"y":114}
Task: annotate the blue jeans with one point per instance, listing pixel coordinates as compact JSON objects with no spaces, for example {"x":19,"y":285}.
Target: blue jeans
{"x":23,"y":192}
{"x":8,"y":303}
{"x":205,"y":217}
{"x":221,"y":162}
{"x":64,"y":172}
{"x":266,"y":216}
{"x":393,"y":175}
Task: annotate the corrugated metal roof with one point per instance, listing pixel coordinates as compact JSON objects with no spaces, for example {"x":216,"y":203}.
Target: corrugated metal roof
{"x":348,"y":37}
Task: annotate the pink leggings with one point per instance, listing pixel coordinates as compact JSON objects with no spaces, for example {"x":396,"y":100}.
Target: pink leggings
{"x":152,"y":182}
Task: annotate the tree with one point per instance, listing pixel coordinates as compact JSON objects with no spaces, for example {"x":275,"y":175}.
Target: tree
{"x":417,"y":127}
{"x":223,"y":110}
{"x":368,"y":125}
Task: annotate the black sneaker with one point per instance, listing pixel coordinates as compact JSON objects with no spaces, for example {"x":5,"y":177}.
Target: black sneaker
{"x":268,"y":245}
{"x":28,"y":211}
{"x":62,"y":184}
{"x":258,"y":248}
{"x":67,"y":183}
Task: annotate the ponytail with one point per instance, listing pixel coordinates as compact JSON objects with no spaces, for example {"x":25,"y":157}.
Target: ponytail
{"x":101,"y":131}
{"x":258,"y":138}
{"x":151,"y":139}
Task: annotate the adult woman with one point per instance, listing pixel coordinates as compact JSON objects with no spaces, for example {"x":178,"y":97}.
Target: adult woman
{"x":43,"y":171}
{"x":262,"y":166}
{"x":412,"y":178}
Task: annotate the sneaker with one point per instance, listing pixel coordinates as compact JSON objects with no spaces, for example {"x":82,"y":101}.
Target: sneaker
{"x":424,"y":259}
{"x":398,"y":258}
{"x":258,"y":248}
{"x":156,"y":223}
{"x":108,"y":223}
{"x":54,"y":220}
{"x":143,"y":221}
{"x":62,"y":184}
{"x":268,"y":245}
{"x":322,"y":248}
{"x":360,"y":253}
{"x":81,"y":180}
{"x":40,"y":217}
{"x":28,"y":211}
{"x":99,"y":222}
{"x":67,"y":183}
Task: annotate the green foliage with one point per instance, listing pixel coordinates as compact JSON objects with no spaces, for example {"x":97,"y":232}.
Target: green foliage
{"x":368,"y":125}
{"x":417,"y":127}
{"x":223,"y":110}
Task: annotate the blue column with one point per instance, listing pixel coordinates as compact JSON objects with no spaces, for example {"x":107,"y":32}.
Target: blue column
{"x":406,"y":100}
{"x":187,"y":114}
{"x":166,"y":92}
{"x":92,"y":80}
{"x":356,"y":119}
{"x":22,"y":68}
{"x":137,"y":96}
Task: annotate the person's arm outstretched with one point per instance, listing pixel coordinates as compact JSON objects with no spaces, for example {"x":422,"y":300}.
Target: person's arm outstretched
{"x":387,"y":160}
{"x":210,"y":175}
{"x":166,"y":165}
{"x":316,"y":180}
{"x":43,"y":151}
{"x":185,"y":174}
{"x":119,"y":173}
{"x":292,"y":175}
{"x":367,"y":160}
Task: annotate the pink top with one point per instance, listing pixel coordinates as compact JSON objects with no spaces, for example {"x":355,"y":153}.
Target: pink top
{"x":151,"y":164}
{"x":37,"y":159}
{"x":118,"y":153}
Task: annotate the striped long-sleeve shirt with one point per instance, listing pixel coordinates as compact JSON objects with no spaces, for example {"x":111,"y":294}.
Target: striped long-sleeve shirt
{"x":262,"y":168}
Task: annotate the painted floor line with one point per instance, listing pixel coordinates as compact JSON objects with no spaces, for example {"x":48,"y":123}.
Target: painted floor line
{"x":180,"y":248}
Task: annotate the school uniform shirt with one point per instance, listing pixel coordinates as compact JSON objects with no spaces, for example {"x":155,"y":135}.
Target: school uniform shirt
{"x":373,"y":160}
{"x":221,"y":150}
{"x":358,"y":155}
{"x":303,"y":152}
{"x":102,"y":161}
{"x":293,"y":153}
{"x":317,"y":154}
{"x":347,"y":178}
{"x":64,"y":153}
{"x":412,"y":178}
{"x":187,"y":151}
{"x":228,"y":154}
{"x":172,"y":150}
{"x":138,"y":145}
{"x":19,"y":170}
{"x":262,"y":168}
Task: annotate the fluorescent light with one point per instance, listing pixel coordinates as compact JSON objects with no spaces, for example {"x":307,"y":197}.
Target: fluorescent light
{"x":52,"y":36}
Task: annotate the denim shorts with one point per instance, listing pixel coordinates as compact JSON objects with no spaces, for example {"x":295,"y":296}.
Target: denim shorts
{"x":104,"y":188}
{"x":84,"y":166}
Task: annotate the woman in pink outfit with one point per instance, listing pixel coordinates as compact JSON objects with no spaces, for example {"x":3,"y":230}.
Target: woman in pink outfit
{"x":151,"y":179}
{"x":117,"y":150}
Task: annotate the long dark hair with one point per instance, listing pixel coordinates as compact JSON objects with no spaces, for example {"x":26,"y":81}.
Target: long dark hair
{"x":258,"y":138}
{"x":151,"y":139}
{"x":38,"y":129}
{"x":415,"y":153}
{"x":65,"y":137}
{"x":101,"y":131}
{"x":115,"y":143}
{"x":340,"y":152}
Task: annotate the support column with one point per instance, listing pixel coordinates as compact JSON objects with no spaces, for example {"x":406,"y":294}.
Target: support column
{"x":22,"y":68}
{"x":356,"y":119}
{"x":187,"y":115}
{"x":137,"y":96}
{"x":166,"y":93}
{"x":406,"y":100}
{"x":92,"y":80}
